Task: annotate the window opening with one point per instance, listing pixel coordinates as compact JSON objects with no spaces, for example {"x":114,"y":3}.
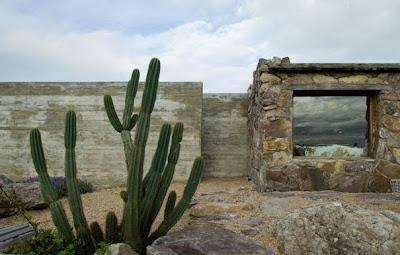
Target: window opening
{"x":330,"y":126}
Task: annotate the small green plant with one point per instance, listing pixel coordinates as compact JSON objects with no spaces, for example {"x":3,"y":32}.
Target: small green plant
{"x":45,"y":242}
{"x":103,"y":249}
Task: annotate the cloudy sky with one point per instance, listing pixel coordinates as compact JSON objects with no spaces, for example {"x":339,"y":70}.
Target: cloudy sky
{"x":217,"y":42}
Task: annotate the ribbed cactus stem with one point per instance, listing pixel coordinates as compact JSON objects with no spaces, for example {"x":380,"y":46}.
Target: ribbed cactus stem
{"x":178,"y":211}
{"x":112,"y":114}
{"x":129,"y":99}
{"x":39,"y":161}
{"x":48,"y":191}
{"x":74,"y":198}
{"x":96,"y":232}
{"x":135,"y":175}
{"x":157,"y":166}
{"x":167,"y":176}
{"x":111,"y":228}
{"x":170,"y":205}
{"x":128,"y":147}
{"x":60,"y":220}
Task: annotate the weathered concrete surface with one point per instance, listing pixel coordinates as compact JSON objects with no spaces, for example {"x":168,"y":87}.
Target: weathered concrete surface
{"x":99,"y":149}
{"x":225,"y":145}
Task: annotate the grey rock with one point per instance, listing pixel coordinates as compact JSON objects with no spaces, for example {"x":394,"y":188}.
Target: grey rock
{"x":279,"y":194}
{"x":26,"y":195}
{"x":321,"y":194}
{"x":339,"y":228}
{"x":4,"y":180}
{"x":250,"y":232}
{"x":205,"y":240}
{"x":120,"y":249}
{"x":378,"y":196}
{"x":216,"y":217}
{"x":275,"y":207}
{"x":252,"y":222}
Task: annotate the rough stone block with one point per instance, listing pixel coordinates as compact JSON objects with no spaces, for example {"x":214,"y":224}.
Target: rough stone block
{"x":270,"y":78}
{"x":279,"y":128}
{"x":319,"y":78}
{"x":275,"y":145}
{"x":382,"y":174}
{"x":354,"y":79}
{"x":391,"y":122}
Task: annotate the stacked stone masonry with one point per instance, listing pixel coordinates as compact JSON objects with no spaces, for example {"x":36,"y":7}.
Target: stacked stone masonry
{"x":272,"y":164}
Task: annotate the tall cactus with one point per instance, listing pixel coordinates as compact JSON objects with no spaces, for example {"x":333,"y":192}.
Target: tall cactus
{"x":144,"y":196}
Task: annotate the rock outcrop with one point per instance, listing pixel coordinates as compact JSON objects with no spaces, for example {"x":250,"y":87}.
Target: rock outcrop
{"x":338,"y":228}
{"x":205,"y":240}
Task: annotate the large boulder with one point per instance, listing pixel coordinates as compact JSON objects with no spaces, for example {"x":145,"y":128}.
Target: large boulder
{"x":26,"y":195}
{"x":205,"y":240}
{"x":338,"y":228}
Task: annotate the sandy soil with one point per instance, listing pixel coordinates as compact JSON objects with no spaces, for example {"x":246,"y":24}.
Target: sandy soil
{"x":99,"y":203}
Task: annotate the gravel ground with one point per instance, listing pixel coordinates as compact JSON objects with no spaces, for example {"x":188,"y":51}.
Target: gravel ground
{"x":97,"y":204}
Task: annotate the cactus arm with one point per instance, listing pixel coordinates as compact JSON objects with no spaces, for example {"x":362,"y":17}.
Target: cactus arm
{"x":133,"y":121}
{"x":39,"y":161}
{"x":60,"y":220}
{"x":97,"y":233}
{"x":74,"y":198}
{"x":178,"y":211}
{"x":112,"y":114}
{"x":168,"y":174}
{"x":131,"y":91}
{"x":135,"y":174}
{"x":111,"y":228}
{"x":158,"y":163}
{"x":128,"y":147}
{"x":170,"y":205}
{"x":48,"y":192}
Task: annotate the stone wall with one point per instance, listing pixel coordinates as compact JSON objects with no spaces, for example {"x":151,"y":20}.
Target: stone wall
{"x":99,"y":149}
{"x":225,"y":145}
{"x":272,"y":164}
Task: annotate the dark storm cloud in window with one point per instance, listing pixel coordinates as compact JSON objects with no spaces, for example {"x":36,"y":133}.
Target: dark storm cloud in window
{"x":330,"y":120}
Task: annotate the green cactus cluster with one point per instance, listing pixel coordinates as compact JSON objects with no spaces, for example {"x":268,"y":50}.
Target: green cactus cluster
{"x":145,"y":195}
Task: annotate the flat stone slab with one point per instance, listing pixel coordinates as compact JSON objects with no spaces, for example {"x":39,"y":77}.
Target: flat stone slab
{"x":378,"y":196}
{"x":252,"y":222}
{"x":321,"y":194}
{"x":279,"y":194}
{"x":250,"y":232}
{"x":216,"y":217}
{"x":275,"y":207}
{"x":206,"y":240}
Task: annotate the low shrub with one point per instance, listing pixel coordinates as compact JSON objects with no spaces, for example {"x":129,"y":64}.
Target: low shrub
{"x":60,"y":184}
{"x":44,"y":242}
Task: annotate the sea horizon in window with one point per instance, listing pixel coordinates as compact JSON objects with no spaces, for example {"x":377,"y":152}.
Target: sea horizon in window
{"x":330,"y":120}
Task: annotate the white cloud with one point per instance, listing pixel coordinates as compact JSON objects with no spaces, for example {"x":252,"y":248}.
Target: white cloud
{"x":217,"y":41}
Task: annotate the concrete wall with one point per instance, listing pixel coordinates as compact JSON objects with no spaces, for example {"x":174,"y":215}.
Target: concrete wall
{"x":99,"y":150}
{"x":225,"y":145}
